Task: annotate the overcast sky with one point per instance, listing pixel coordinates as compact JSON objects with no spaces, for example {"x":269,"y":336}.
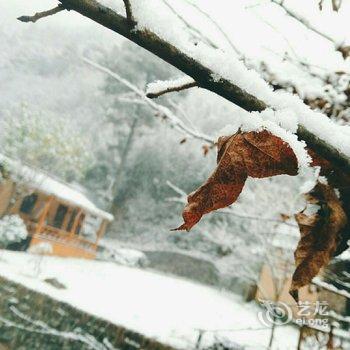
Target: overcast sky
{"x":257,"y":28}
{"x":248,"y":29}
{"x":12,"y":9}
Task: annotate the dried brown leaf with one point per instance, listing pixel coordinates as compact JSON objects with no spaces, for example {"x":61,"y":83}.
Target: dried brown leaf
{"x":340,"y":180}
{"x":256,"y":154}
{"x":319,"y":235}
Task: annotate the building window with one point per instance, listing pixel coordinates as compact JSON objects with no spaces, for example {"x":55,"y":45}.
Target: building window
{"x":71,"y":220}
{"x":80,"y":222}
{"x":28,"y":203}
{"x":59,"y":217}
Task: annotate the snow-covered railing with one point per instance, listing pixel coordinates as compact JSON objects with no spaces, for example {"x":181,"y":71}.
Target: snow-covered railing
{"x":330,"y":287}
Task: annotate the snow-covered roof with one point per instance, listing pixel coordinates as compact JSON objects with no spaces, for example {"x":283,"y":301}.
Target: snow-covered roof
{"x":43,"y":182}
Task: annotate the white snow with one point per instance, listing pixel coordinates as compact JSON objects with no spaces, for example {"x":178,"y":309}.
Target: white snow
{"x":12,"y":229}
{"x":169,"y":309}
{"x":163,"y":85}
{"x":226,"y":65}
{"x":123,"y":256}
{"x":39,"y":180}
{"x":259,"y":123}
{"x":318,"y":282}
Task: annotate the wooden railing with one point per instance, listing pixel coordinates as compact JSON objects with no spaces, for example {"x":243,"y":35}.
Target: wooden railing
{"x":58,"y":235}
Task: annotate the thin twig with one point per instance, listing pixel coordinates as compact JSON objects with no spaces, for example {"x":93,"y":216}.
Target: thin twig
{"x":218,"y":27}
{"x":302,"y":20}
{"x":168,"y":89}
{"x":40,"y":15}
{"x":181,"y":112}
{"x":194,"y":31}
{"x":128,"y":10}
{"x":163,"y":111}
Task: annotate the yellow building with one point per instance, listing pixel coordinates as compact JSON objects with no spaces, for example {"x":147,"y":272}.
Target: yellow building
{"x":53,"y":211}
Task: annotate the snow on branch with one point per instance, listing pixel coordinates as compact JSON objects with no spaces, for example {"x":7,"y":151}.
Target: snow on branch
{"x":330,"y":287}
{"x":160,"y":109}
{"x":220,"y":73}
{"x":40,"y":15}
{"x":159,"y":87}
{"x":337,"y":279}
{"x":339,"y":317}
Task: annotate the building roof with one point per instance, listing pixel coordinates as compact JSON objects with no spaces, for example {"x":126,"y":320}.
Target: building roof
{"x":39,"y":180}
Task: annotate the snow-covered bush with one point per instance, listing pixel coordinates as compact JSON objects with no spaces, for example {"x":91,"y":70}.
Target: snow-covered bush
{"x":12,"y":229}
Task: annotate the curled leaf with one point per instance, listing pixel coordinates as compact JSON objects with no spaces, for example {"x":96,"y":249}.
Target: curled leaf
{"x":320,"y":235}
{"x":339,"y":180}
{"x":256,"y":154}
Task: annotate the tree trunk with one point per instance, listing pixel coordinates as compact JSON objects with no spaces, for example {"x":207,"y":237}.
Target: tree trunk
{"x":122,"y":167}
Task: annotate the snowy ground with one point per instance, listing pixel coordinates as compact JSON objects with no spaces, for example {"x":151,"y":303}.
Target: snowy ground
{"x":168,"y":309}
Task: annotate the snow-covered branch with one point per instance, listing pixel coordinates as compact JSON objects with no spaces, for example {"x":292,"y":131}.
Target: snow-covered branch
{"x":337,"y":279}
{"x":159,"y":87}
{"x":330,"y":287}
{"x":339,"y":317}
{"x":222,"y":74}
{"x":160,"y":109}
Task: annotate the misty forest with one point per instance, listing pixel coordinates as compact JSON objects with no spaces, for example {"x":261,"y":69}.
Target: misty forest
{"x":175,"y":174}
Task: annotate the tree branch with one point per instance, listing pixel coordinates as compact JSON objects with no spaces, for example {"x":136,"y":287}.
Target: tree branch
{"x":168,"y":52}
{"x":40,"y":15}
{"x":318,"y":282}
{"x":202,"y":74}
{"x":218,"y":27}
{"x":129,"y":16}
{"x":302,"y":20}
{"x":161,"y":110}
{"x":160,"y":88}
{"x":194,"y":31}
